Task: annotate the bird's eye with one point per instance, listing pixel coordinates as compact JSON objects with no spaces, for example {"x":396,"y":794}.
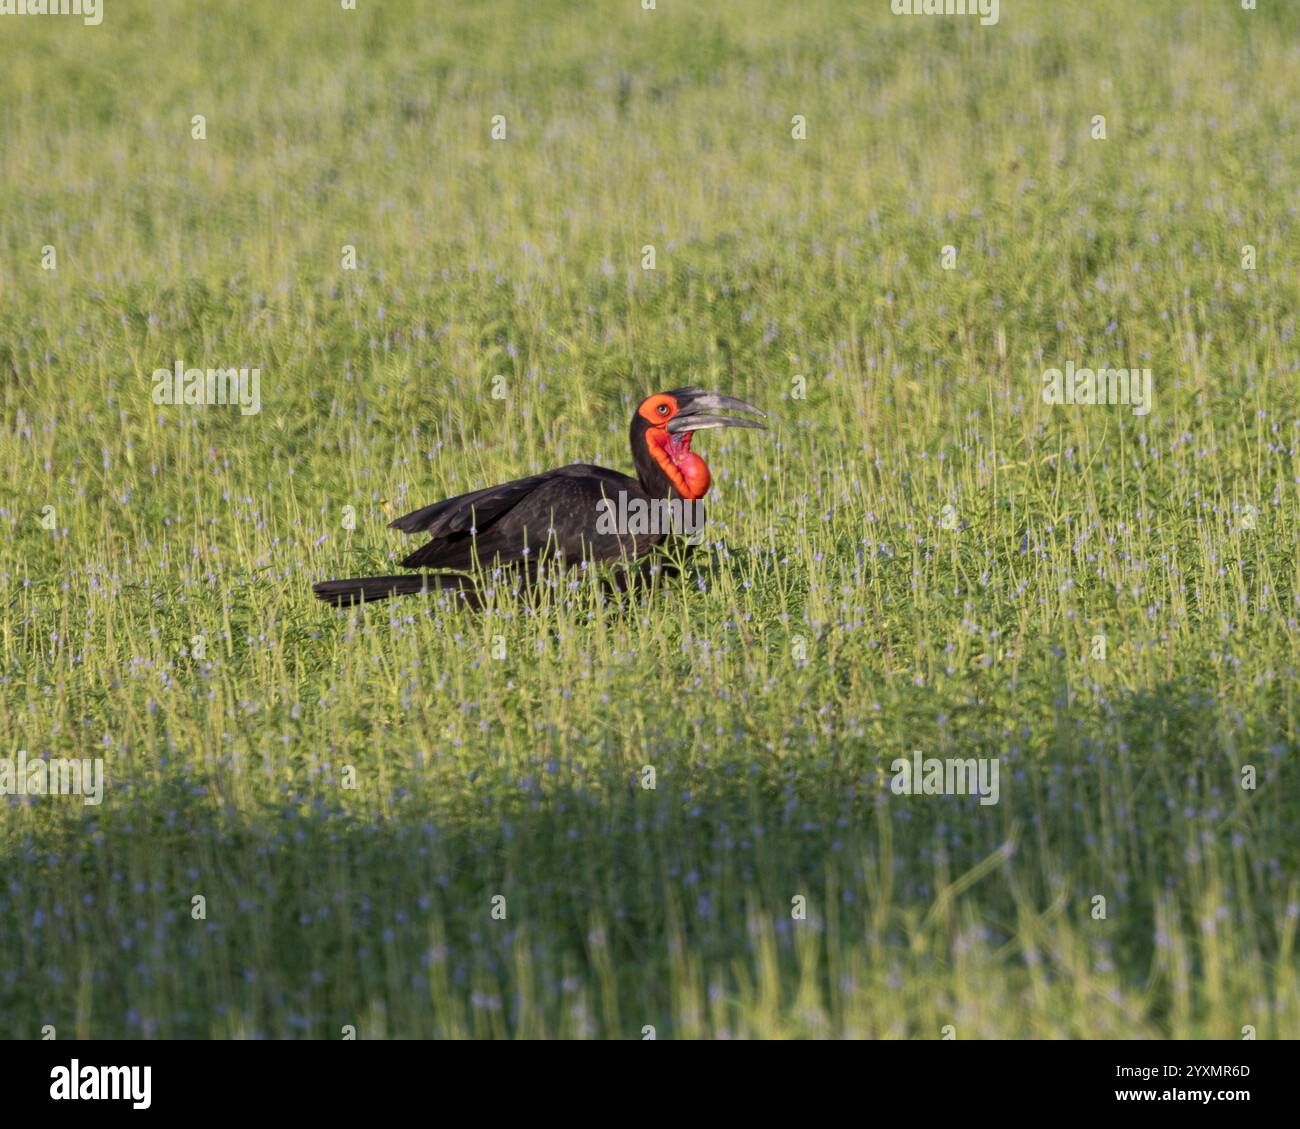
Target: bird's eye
{"x":663,"y":409}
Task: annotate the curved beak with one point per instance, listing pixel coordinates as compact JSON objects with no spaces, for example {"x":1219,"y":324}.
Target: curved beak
{"x":698,"y":410}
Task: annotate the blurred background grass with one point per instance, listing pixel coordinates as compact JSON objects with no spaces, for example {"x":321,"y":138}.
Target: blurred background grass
{"x":834,"y":623}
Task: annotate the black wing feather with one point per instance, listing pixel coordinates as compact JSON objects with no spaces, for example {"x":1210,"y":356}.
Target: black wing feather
{"x":477,"y":509}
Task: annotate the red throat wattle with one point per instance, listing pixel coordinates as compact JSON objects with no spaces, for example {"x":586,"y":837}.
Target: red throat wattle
{"x":685,"y":470}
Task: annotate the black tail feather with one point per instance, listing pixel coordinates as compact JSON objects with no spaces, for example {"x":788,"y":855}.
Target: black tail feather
{"x":365,"y":589}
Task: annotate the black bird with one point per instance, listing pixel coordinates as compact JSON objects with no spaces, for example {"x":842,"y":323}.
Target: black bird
{"x":573,"y":514}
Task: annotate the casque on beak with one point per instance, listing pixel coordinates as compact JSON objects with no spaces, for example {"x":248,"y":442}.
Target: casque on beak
{"x":697,"y":410}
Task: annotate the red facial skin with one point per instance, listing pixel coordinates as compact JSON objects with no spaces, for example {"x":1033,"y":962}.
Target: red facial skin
{"x":685,"y":470}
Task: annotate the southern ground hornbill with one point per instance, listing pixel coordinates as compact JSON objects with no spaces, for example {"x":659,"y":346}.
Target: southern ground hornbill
{"x":567,"y":515}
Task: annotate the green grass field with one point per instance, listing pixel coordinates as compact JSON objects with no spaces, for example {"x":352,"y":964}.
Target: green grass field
{"x":351,"y":794}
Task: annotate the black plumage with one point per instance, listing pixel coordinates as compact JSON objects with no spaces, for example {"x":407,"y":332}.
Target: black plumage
{"x":563,"y":515}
